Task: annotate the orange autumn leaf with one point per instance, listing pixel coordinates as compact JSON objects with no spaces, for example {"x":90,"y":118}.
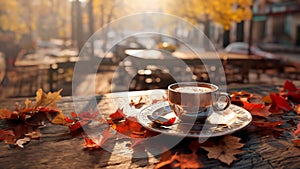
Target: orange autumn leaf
{"x":267,"y":124}
{"x":225,"y":150}
{"x":166,"y":160}
{"x":117,"y":115}
{"x":297,"y":131}
{"x":296,"y":142}
{"x":297,"y":109}
{"x":267,"y":99}
{"x":189,"y":161}
{"x":5,"y":114}
{"x":137,"y":102}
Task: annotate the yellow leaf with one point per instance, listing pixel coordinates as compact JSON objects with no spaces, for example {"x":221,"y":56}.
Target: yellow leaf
{"x":59,"y":119}
{"x":28,"y":103}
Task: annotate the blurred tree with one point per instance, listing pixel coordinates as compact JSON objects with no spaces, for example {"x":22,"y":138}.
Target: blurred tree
{"x":224,"y":12}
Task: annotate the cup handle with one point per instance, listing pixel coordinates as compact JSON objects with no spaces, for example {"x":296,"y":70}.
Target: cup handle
{"x":228,"y":101}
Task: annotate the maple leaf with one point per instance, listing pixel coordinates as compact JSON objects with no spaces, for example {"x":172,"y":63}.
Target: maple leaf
{"x":117,"y":115}
{"x":289,"y":86}
{"x":5,"y":114}
{"x":225,"y":150}
{"x":267,"y":124}
{"x":280,"y":102}
{"x":137,"y":103}
{"x":297,"y":131}
{"x":47,"y":100}
{"x":257,"y":109}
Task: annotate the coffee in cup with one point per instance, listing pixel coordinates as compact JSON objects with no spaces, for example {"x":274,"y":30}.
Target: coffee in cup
{"x":193,"y":101}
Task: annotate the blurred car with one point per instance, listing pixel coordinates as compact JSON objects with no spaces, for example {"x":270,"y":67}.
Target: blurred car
{"x":242,"y":48}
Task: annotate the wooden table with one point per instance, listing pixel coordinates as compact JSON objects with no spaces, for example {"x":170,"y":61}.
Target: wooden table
{"x":57,"y":148}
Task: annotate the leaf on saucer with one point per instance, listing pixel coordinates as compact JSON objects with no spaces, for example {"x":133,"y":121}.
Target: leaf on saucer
{"x":225,"y":150}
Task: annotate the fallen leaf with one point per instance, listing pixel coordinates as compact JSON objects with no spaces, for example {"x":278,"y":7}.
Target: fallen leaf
{"x":166,"y":160}
{"x":294,"y":96}
{"x":189,"y":161}
{"x":297,"y":109}
{"x":5,"y":114}
{"x":267,"y":124}
{"x":288,"y":85}
{"x":117,"y":115}
{"x":257,"y":109}
{"x":96,"y":141}
{"x":267,"y":99}
{"x":8,"y":136}
{"x":280,"y":102}
{"x":137,"y":102}
{"x":34,"y":135}
{"x":225,"y":150}
{"x":296,"y":142}
{"x":297,"y":131}
{"x":21,"y":142}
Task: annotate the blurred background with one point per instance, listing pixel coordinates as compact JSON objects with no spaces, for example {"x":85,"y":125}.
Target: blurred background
{"x":40,"y":41}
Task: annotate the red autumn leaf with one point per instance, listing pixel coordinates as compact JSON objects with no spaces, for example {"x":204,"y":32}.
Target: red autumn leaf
{"x":257,"y":109}
{"x":118,"y":115}
{"x":280,"y":102}
{"x":170,"y":122}
{"x":77,"y":125}
{"x":294,"y":96}
{"x":296,"y":142}
{"x":5,"y":114}
{"x":267,"y":124}
{"x":68,"y":120}
{"x":137,"y":103}
{"x":73,"y":114}
{"x":288,"y":85}
{"x":297,"y":131}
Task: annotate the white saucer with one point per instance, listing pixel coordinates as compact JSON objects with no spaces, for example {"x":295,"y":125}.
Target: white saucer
{"x":217,"y":124}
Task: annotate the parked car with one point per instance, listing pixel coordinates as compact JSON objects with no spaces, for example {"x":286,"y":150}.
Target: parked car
{"x":242,"y":48}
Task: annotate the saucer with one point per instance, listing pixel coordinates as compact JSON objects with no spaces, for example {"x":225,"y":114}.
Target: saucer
{"x":217,"y":124}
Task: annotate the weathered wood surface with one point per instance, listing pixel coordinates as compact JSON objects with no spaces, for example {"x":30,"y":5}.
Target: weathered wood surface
{"x":58,"y":149}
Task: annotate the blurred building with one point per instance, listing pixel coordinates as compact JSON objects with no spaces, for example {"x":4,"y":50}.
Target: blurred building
{"x":276,"y":21}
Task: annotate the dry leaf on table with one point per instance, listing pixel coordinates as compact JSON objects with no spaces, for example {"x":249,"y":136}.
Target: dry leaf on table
{"x":225,"y":150}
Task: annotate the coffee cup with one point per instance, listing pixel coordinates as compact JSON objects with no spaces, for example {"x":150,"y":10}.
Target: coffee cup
{"x":194,"y":101}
